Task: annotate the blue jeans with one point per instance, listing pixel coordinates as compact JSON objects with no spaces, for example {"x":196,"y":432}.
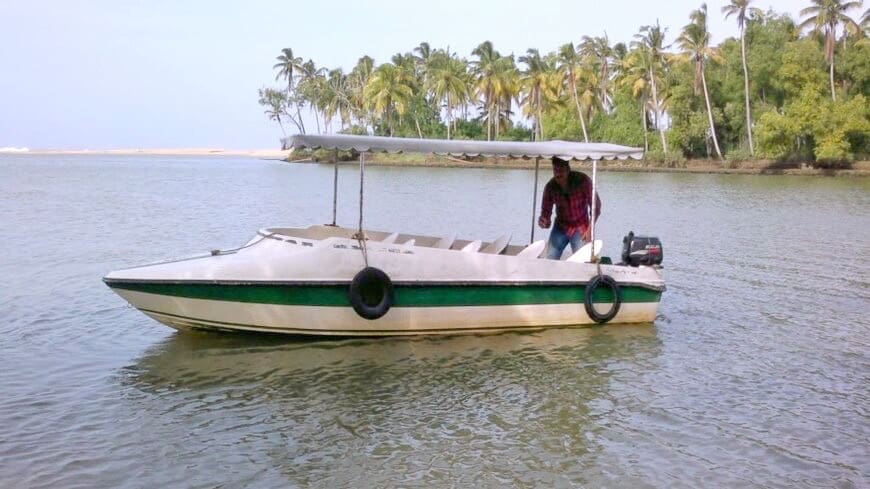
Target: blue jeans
{"x":559,"y":240}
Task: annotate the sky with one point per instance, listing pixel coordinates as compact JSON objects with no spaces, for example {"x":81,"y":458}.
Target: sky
{"x":103,"y":74}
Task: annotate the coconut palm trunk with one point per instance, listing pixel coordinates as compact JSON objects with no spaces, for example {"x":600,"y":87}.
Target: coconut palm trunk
{"x":746,"y":91}
{"x":449,"y":116}
{"x":710,"y":115}
{"x":656,"y":110}
{"x":833,"y":93}
{"x":497,"y":118}
{"x":489,"y":125}
{"x":645,"y":129}
{"x":579,"y":110}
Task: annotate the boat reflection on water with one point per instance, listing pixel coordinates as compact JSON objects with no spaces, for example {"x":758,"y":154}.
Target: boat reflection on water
{"x":201,"y":359}
{"x":342,"y":412}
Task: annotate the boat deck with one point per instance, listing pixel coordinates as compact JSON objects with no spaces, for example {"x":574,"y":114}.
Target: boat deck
{"x":499,"y":245}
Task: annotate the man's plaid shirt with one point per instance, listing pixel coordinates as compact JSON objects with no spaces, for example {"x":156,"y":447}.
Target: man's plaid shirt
{"x":572,"y":206}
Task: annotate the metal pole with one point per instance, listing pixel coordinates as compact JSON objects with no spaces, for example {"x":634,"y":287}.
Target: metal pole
{"x":592,"y":217}
{"x":362,"y":167}
{"x":535,"y":199}
{"x":335,"y":188}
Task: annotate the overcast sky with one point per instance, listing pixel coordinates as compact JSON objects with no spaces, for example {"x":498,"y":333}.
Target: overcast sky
{"x":104,"y":74}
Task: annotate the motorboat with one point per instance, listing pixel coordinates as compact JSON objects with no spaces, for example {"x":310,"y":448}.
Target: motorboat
{"x":326,"y":279}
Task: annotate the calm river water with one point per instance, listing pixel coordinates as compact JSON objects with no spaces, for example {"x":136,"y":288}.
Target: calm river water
{"x":756,"y":372}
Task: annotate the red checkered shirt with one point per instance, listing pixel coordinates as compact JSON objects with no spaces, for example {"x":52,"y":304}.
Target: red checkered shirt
{"x":572,"y":206}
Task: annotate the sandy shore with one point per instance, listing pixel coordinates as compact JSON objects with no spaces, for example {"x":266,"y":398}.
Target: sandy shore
{"x":858,"y":168}
{"x":253,"y":153}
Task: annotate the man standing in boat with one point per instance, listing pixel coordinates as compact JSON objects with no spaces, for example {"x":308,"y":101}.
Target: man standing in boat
{"x":571,"y":193}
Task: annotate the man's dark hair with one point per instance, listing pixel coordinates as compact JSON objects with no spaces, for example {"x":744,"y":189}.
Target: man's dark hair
{"x":560,"y":162}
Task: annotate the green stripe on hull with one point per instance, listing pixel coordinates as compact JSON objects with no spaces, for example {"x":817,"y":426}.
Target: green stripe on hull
{"x":336,"y":295}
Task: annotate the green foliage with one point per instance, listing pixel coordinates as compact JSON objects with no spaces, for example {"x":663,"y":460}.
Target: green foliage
{"x":418,"y":113}
{"x":738,"y":155}
{"x":814,"y":127}
{"x":833,"y":148}
{"x":625,"y":92}
{"x":690,"y":127}
{"x":853,"y":67}
{"x":776,"y":135}
{"x":765,"y":37}
{"x":516,"y":132}
{"x":801,"y":69}
{"x":658,"y":158}
{"x":563,"y":123}
{"x":473,"y":129}
{"x":623,"y":125}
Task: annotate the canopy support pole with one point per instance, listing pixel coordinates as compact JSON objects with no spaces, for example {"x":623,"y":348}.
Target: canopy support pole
{"x":360,"y":236}
{"x":592,"y":214}
{"x":335,"y":188}
{"x":534,"y":200}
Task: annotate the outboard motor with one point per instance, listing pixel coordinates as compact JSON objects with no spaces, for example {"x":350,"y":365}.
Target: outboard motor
{"x":641,"y":250}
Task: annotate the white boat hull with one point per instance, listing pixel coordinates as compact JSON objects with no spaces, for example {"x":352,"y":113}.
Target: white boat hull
{"x":284,"y":283}
{"x":182,"y":313}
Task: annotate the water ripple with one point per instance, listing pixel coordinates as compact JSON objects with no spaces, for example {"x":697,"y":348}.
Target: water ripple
{"x":754,"y":374}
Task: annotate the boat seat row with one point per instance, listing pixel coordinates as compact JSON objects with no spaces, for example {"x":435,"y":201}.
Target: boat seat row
{"x":497,"y":246}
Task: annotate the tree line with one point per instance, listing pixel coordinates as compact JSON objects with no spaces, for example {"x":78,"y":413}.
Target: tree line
{"x":782,"y":89}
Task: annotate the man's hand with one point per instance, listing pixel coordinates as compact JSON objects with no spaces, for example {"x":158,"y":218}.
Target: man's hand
{"x":587,"y":235}
{"x":544,"y":222}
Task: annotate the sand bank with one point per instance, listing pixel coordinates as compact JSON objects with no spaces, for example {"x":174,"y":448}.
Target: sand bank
{"x":253,"y":153}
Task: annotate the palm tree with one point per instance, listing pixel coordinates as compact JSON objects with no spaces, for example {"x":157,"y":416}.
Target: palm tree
{"x":695,"y":43}
{"x":506,"y":91}
{"x":275,"y":102}
{"x":357,"y":81}
{"x":824,"y":17}
{"x":598,"y":51}
{"x":336,"y":100}
{"x":446,"y":79}
{"x":540,"y":85}
{"x":633,"y":73}
{"x":287,"y":66}
{"x":649,"y":44}
{"x":739,"y":8}
{"x":312,"y":86}
{"x":389,"y":90}
{"x":570,"y":64}
{"x":485,"y":77}
{"x":409,"y":64}
{"x":423,"y":58}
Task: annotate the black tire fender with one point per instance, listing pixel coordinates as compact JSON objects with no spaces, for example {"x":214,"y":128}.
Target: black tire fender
{"x":371,"y":293}
{"x":598,"y":281}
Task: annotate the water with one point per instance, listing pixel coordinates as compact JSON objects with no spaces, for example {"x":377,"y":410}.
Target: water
{"x":756,"y":372}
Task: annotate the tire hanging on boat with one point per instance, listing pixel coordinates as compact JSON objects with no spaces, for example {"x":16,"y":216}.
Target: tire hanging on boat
{"x":371,"y":293}
{"x":597,"y":281}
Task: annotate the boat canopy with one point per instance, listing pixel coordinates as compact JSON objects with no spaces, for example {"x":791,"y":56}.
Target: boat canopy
{"x":566,"y":150}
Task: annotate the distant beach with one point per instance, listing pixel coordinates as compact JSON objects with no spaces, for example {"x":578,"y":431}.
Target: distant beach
{"x":253,"y":153}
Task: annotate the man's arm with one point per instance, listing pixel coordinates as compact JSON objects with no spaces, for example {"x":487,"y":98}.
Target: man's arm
{"x":546,"y":207}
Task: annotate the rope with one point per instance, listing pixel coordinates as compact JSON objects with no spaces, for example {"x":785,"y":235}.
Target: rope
{"x":233,"y":250}
{"x":534,"y":200}
{"x":360,"y":236}
{"x":592,"y":213}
